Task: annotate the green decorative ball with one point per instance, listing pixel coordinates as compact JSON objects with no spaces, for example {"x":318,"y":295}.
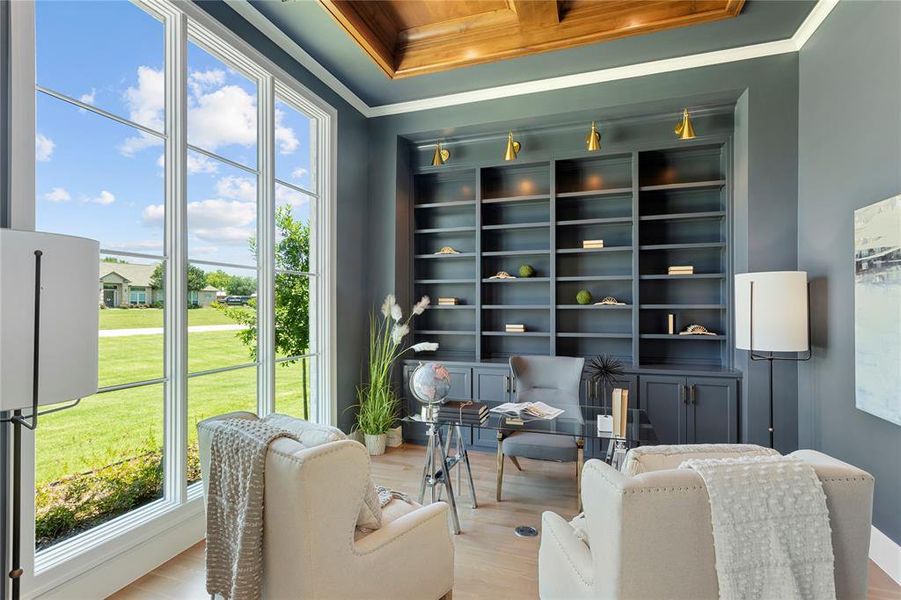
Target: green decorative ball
{"x":583,"y":297}
{"x":526,"y":271}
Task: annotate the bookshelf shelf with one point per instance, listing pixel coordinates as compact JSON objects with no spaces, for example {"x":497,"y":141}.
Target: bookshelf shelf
{"x":444,"y":256}
{"x":689,"y":185}
{"x":594,"y":250}
{"x":653,"y":207}
{"x":692,"y":246}
{"x":591,"y":193}
{"x":688,"y":216}
{"x":594,"y":307}
{"x":518,"y":280}
{"x":536,"y":225}
{"x":602,"y":221}
{"x":450,"y":204}
{"x":682,"y":338}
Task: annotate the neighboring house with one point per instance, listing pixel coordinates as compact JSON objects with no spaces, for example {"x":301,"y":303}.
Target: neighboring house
{"x":128,"y":284}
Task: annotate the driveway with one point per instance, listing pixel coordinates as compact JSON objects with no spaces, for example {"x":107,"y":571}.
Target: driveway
{"x":159,"y":330}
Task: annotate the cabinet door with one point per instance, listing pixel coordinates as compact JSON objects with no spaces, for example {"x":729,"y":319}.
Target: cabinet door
{"x":492,"y":386}
{"x":713,"y":410}
{"x":664,"y":399}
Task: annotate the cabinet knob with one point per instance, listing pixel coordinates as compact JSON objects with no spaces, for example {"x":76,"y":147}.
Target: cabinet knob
{"x":692,"y":398}
{"x":682,"y":395}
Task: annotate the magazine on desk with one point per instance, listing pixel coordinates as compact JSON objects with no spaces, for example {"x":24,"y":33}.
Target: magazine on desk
{"x":530,"y":410}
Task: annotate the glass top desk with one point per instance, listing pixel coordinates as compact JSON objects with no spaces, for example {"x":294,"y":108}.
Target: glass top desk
{"x":440,"y":462}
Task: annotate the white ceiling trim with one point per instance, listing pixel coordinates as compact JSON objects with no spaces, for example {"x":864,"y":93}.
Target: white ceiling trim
{"x":717,"y":57}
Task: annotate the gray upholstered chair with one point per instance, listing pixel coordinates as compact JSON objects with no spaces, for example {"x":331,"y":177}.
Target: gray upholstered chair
{"x":553,"y":380}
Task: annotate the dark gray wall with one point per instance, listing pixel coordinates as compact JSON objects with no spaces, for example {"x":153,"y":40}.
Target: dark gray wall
{"x":850,"y":156}
{"x":352,"y":230}
{"x":4,"y":222}
{"x":766,"y":93}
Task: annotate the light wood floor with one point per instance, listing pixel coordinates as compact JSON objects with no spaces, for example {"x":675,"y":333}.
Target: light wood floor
{"x":490,"y":561}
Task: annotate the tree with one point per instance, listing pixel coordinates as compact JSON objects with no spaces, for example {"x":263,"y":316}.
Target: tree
{"x":292,"y":295}
{"x":241,"y":286}
{"x":218,"y":279}
{"x":113,"y":259}
{"x":196,"y":278}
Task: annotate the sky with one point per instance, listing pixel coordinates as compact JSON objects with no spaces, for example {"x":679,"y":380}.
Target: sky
{"x":100,"y":179}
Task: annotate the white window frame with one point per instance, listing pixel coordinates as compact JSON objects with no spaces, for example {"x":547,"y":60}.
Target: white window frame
{"x":107,"y":557}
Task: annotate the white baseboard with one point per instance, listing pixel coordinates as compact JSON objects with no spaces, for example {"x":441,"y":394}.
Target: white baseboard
{"x":886,"y":554}
{"x":117,"y":572}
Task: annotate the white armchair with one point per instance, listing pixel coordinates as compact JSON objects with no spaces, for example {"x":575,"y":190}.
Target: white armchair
{"x":649,"y":536}
{"x":311,"y":546}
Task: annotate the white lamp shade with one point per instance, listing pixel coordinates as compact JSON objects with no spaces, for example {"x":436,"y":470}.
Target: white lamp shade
{"x":69,"y":317}
{"x":779,"y":301}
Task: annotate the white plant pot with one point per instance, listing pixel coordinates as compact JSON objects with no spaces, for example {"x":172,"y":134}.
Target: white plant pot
{"x":395,"y":437}
{"x":375,"y":443}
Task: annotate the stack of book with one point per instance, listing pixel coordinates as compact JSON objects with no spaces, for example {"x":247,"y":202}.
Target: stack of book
{"x":680,"y":270}
{"x":465,"y":412}
{"x":447,"y":301}
{"x":592,"y":244}
{"x":515,"y":328}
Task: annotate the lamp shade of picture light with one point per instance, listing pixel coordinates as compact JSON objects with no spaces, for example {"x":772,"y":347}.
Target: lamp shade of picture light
{"x":775,"y":304}
{"x":69,"y":317}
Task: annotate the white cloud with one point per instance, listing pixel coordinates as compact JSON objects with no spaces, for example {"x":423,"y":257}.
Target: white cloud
{"x":285,"y":195}
{"x":139,"y":245}
{"x":197,"y":163}
{"x":299,"y":173}
{"x":203,"y":250}
{"x":223,"y":117}
{"x":199,"y":81}
{"x":43,"y":147}
{"x":104,"y":198}
{"x":145,"y":106}
{"x":57,"y":194}
{"x":285,"y":139}
{"x":217,"y":221}
{"x":89,"y":97}
{"x":237,"y":188}
{"x":200,"y":163}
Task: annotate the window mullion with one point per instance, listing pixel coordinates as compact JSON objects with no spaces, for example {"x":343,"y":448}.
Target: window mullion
{"x":265,"y":246}
{"x":176,"y":242}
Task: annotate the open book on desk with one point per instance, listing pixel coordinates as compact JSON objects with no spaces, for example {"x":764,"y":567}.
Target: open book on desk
{"x":528,"y":410}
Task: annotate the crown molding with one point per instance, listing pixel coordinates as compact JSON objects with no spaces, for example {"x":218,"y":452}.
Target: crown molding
{"x":793,"y":44}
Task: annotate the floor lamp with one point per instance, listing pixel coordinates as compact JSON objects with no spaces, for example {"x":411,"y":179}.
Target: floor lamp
{"x":48,"y":344}
{"x":772,"y":315}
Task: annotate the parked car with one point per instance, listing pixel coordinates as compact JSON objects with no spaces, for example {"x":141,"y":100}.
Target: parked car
{"x":237,"y":300}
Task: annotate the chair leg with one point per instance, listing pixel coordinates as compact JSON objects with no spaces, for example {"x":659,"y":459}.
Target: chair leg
{"x":516,"y":463}
{"x":500,"y":467}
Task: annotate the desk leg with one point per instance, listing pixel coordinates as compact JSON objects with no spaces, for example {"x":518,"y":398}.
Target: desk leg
{"x":426,"y":467}
{"x":446,"y":479}
{"x":465,"y":454}
{"x":500,"y":464}
{"x":580,"y":459}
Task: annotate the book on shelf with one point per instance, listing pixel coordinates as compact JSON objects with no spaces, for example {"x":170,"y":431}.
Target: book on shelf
{"x":671,"y":323}
{"x":592,"y":244}
{"x":620,"y":411}
{"x":680,"y":270}
{"x":515,"y":328}
{"x":528,"y":410}
{"x":447,"y":301}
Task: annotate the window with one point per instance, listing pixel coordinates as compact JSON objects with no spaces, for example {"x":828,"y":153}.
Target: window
{"x":241,"y":273}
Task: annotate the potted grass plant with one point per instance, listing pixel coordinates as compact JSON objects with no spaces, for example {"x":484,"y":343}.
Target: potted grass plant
{"x":378,"y":402}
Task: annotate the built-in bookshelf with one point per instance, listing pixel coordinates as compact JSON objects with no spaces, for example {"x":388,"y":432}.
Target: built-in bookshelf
{"x":653,"y":209}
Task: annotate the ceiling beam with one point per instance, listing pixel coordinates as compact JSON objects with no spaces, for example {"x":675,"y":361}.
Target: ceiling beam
{"x":536,"y":13}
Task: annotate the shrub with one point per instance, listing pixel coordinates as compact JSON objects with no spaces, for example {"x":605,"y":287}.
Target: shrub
{"x":76,"y":503}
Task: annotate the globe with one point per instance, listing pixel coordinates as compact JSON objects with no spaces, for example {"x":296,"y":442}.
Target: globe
{"x":430,"y":383}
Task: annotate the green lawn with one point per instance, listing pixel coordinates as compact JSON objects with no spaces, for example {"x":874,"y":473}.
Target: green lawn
{"x":139,"y":318}
{"x":110,"y":427}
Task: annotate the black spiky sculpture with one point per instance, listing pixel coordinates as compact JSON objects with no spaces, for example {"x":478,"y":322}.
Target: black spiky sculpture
{"x":606,"y":370}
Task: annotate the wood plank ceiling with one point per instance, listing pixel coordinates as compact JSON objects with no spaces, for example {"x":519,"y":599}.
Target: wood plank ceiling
{"x":414,"y":37}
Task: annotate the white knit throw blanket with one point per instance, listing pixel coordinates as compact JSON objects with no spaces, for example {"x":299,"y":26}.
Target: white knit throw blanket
{"x":771,"y":529}
{"x":234,"y":515}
